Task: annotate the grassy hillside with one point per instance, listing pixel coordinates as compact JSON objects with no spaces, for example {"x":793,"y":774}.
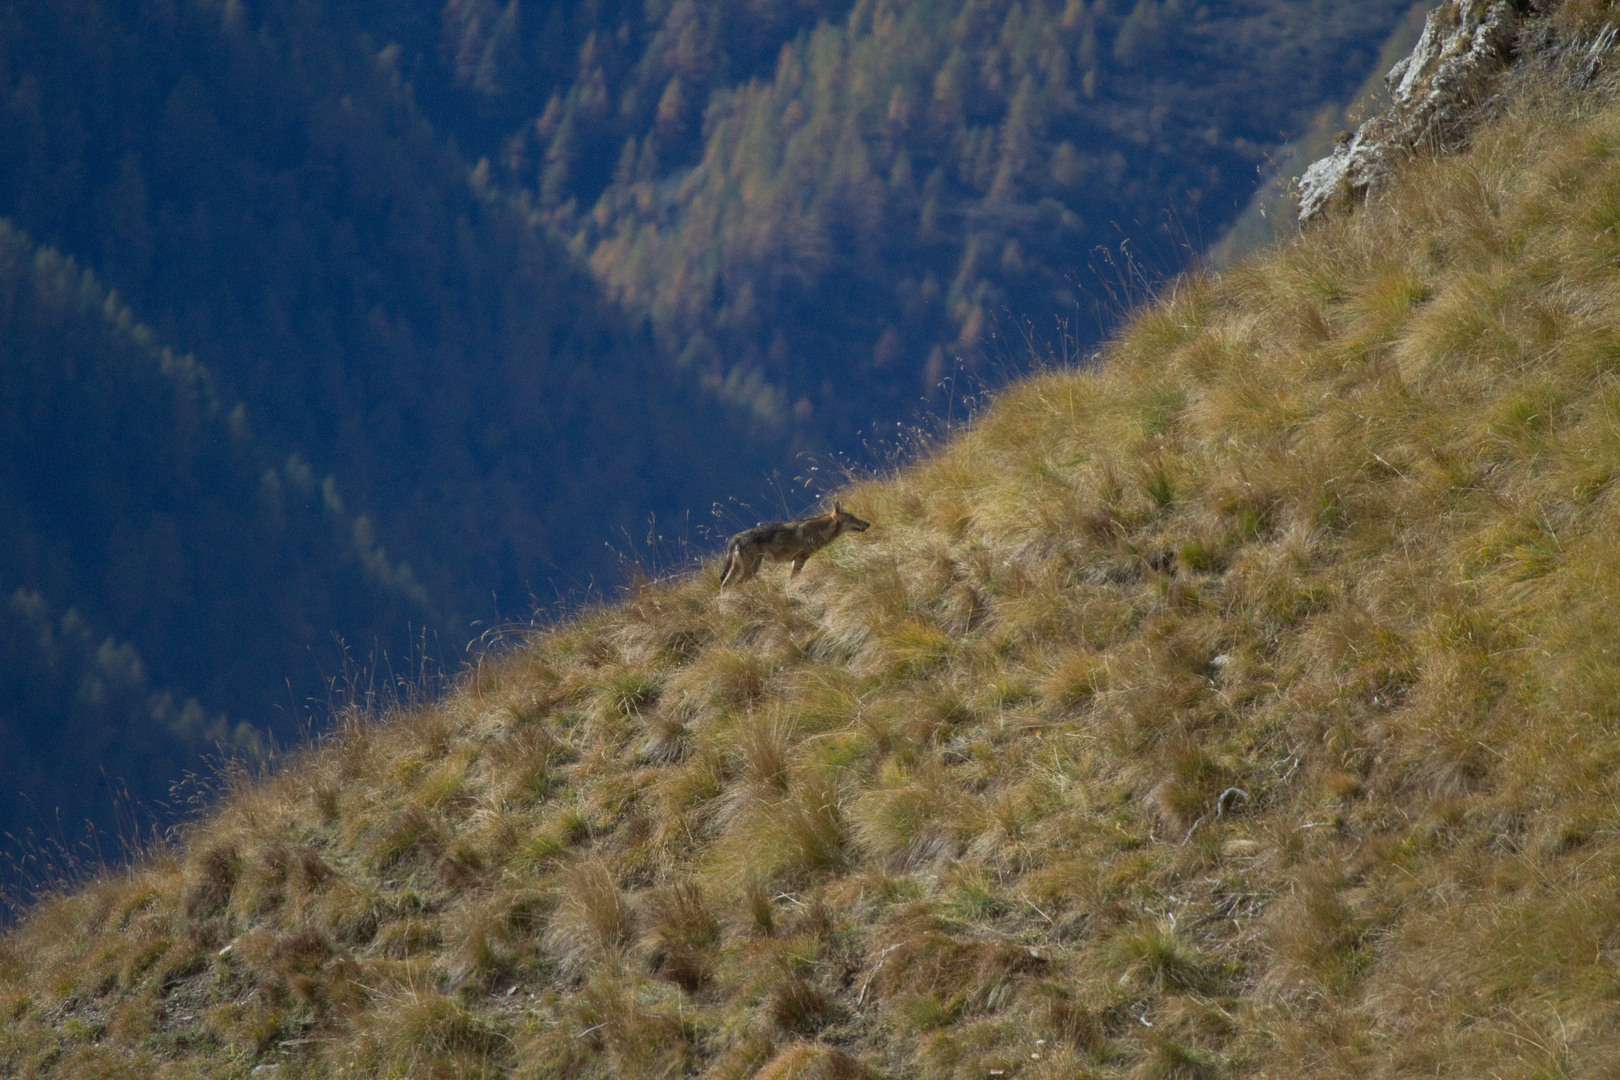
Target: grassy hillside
{"x":1246,"y":707}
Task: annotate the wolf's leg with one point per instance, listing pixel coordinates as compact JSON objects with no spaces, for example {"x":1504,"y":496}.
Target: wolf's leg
{"x":798,"y":564}
{"x":729,"y":565}
{"x":748,"y":559}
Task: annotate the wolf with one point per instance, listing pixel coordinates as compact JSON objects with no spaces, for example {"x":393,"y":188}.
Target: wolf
{"x":784,"y":540}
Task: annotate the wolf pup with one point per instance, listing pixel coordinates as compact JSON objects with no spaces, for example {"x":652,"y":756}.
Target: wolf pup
{"x":784,"y":540}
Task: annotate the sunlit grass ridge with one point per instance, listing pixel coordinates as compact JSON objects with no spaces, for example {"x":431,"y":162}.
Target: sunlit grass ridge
{"x":1246,"y":706}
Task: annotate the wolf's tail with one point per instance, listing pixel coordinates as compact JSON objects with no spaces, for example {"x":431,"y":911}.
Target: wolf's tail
{"x":731,"y":561}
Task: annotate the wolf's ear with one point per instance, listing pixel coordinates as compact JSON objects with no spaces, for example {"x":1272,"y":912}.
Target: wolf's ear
{"x":838,"y":507}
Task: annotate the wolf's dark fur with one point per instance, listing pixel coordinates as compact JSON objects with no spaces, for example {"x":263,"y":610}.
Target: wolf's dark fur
{"x":783,"y":540}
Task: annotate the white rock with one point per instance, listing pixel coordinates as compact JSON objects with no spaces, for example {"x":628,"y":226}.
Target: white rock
{"x":1437,"y":90}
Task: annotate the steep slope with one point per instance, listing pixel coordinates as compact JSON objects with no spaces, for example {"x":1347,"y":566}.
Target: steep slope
{"x":1244,"y":707}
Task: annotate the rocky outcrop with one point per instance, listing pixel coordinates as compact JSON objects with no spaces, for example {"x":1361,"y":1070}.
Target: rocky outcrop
{"x":1459,"y":69}
{"x":1437,"y":90}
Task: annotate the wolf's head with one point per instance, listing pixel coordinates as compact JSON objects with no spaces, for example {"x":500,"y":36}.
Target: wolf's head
{"x":848,"y":522}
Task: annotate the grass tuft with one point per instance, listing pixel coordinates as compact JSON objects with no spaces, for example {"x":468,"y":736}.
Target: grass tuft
{"x":210,"y":878}
{"x":1156,"y":956}
{"x":424,"y":1032}
{"x":812,"y":1061}
{"x":684,"y":936}
{"x":593,"y":919}
{"x":1171,"y":1059}
{"x":797,"y":1006}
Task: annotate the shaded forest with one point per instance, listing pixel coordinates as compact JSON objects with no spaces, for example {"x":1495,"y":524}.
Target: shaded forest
{"x":266,"y":196}
{"x":129,"y":492}
{"x":825,"y":208}
{"x":402,"y":410}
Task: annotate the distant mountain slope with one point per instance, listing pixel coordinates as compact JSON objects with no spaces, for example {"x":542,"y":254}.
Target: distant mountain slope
{"x":167,"y":582}
{"x":408,"y":411}
{"x":262,"y":190}
{"x":1244,"y":706}
{"x":821,"y":206}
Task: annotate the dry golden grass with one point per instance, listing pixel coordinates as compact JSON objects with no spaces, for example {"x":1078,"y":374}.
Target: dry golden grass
{"x":1244,"y":707}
